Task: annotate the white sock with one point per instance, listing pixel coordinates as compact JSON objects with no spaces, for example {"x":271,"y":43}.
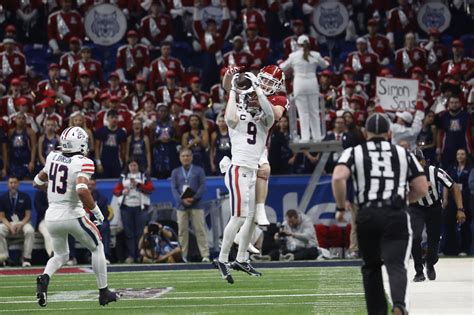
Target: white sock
{"x":260,"y":207}
{"x":54,"y":263}
{"x":99,"y":265}
{"x":230,"y":231}
{"x":246,"y":234}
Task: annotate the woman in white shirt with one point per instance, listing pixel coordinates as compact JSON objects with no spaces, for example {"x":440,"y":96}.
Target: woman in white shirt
{"x":304,"y":63}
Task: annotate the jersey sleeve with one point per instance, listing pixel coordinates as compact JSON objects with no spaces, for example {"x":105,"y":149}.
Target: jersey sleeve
{"x":444,"y":178}
{"x":280,"y":100}
{"x":347,"y":158}
{"x":414,"y":167}
{"x":85,"y":167}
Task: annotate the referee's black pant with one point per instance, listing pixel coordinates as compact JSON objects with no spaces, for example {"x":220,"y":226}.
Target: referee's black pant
{"x":384,"y":237}
{"x":432,"y":217}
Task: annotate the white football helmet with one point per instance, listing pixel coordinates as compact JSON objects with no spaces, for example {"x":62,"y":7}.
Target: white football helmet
{"x":74,"y":140}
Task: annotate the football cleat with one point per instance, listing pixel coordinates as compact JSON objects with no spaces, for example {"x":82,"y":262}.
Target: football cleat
{"x":224,"y":270}
{"x":106,"y":296}
{"x":246,"y":267}
{"x":430,"y":272}
{"x":419,"y":277}
{"x":42,"y":282}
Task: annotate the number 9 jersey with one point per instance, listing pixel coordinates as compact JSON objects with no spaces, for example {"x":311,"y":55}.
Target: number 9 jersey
{"x":64,"y":202}
{"x":248,"y":138}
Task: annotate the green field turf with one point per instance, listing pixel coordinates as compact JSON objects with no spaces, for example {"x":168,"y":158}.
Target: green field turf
{"x":315,"y":290}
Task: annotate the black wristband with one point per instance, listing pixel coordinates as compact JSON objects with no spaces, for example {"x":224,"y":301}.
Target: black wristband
{"x":340,"y":209}
{"x":461,"y":209}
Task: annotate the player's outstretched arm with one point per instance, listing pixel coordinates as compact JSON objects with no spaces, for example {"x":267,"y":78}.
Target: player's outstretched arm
{"x":40,"y":181}
{"x":228,"y":76}
{"x":230,"y":116}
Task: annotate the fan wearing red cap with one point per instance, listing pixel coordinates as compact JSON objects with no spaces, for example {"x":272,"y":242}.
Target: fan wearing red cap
{"x":92,"y":66}
{"x":53,"y":84}
{"x":115,"y":87}
{"x":47,"y":108}
{"x":258,"y":46}
{"x":155,"y":27}
{"x":290,"y":45}
{"x":218,"y":94}
{"x":85,"y":87}
{"x":136,"y":98}
{"x":62,"y":26}
{"x":67,"y":60}
{"x":425,"y":87}
{"x":436,"y":53}
{"x":378,"y":43}
{"x":238,"y":56}
{"x":465,"y":64}
{"x":161,"y":65}
{"x":6,"y":102}
{"x":409,"y":57}
{"x":364,"y":63}
{"x":326,"y":89}
{"x":195,"y":96}
{"x":166,"y":93}
{"x":13,"y":63}
{"x":124,"y":116}
{"x":10,"y":32}
{"x":132,"y":59}
{"x":345,"y":91}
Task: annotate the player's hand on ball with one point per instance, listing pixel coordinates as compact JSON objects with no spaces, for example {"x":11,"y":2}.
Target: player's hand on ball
{"x":252,"y":78}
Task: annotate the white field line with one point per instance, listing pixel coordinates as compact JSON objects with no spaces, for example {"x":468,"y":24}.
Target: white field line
{"x":144,"y":282}
{"x":174,"y":293}
{"x":232,"y":297}
{"x":155,"y":307}
{"x":202,"y":274}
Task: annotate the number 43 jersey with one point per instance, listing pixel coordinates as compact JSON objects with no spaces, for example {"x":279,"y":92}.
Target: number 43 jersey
{"x":64,"y":202}
{"x":248,"y":140}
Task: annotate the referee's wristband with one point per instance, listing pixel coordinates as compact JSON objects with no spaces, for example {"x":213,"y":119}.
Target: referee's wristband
{"x":340,"y":209}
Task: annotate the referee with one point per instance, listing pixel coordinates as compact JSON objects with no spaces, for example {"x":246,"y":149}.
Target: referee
{"x":385,"y":178}
{"x":428,"y":210}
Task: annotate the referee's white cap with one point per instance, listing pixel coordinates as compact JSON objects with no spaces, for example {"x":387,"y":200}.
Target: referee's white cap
{"x":377,"y":124}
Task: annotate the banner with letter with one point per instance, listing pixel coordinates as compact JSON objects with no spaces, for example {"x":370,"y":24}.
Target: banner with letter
{"x":330,"y":18}
{"x":434,"y":15}
{"x":105,"y":24}
{"x":397,"y":94}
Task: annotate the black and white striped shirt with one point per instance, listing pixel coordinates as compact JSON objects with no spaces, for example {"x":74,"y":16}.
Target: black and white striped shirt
{"x":380,"y":170}
{"x":435,"y":176}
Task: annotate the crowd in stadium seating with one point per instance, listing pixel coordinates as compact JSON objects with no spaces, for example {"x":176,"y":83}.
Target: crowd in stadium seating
{"x":162,"y":89}
{"x":158,"y":90}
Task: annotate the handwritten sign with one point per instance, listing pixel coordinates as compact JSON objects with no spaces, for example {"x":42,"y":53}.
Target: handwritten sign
{"x":397,"y":94}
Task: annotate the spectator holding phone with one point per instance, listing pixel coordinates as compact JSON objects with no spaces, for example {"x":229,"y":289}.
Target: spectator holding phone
{"x":188,"y":184}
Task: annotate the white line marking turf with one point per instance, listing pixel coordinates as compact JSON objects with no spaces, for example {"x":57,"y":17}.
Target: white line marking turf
{"x":158,"y":306}
{"x":63,"y":298}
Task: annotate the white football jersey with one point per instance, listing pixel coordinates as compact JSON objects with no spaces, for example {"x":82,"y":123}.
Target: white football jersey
{"x":248,"y":139}
{"x":62,"y":171}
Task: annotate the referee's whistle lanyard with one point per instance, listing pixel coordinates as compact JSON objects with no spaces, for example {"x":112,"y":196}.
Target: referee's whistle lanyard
{"x":186,"y":174}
